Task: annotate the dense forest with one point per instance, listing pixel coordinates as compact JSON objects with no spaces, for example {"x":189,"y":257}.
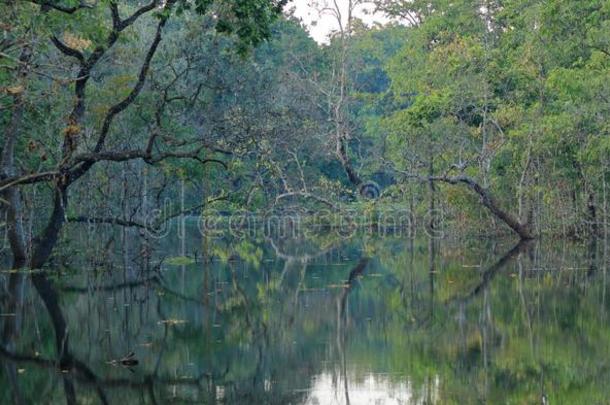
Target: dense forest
{"x":491,"y":116}
{"x":201,"y":203}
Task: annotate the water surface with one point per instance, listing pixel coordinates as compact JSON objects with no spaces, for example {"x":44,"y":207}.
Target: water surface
{"x":369,"y":320}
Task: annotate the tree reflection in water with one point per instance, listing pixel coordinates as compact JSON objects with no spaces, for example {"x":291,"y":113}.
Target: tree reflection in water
{"x":375,"y":321}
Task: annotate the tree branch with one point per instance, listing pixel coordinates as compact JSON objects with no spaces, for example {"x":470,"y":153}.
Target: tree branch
{"x":127,"y":101}
{"x":490,"y":202}
{"x":59,"y":7}
{"x":487,"y":199}
{"x":111,"y":221}
{"x":132,"y":18}
{"x":66,"y":50}
{"x":118,"y":25}
{"x":146,"y":155}
{"x":27,"y":179}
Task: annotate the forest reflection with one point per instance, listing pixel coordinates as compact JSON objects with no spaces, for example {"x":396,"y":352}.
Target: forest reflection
{"x":366,"y":320}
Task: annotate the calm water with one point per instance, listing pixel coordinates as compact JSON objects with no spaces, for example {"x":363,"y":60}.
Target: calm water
{"x":368,"y":320}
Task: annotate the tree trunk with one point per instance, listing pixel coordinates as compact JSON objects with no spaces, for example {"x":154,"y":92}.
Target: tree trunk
{"x":592,"y":214}
{"x":353,"y":177}
{"x":43,"y":245}
{"x":521,"y":229}
{"x":432,"y":203}
{"x":11,"y":195}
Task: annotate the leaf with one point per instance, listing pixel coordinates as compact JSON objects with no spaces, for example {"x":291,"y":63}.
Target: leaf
{"x":14,"y":90}
{"x":76,"y":42}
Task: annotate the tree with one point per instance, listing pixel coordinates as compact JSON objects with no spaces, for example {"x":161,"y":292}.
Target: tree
{"x":91,"y":35}
{"x":478,"y":99}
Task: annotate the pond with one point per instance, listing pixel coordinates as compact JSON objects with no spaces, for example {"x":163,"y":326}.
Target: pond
{"x":365,"y":320}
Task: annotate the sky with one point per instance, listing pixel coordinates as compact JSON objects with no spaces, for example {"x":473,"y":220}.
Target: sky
{"x":326,"y":23}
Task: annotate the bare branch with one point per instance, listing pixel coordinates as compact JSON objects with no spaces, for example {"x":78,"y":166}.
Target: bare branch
{"x":28,"y":179}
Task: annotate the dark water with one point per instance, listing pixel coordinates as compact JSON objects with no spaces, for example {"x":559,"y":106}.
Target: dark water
{"x":368,"y":320}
